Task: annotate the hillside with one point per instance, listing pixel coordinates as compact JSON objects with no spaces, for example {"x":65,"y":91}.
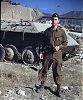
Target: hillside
{"x":13,"y":11}
{"x":74,"y":14}
{"x":78,"y":14}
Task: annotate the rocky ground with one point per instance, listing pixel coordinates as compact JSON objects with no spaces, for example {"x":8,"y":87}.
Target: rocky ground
{"x":19,"y":82}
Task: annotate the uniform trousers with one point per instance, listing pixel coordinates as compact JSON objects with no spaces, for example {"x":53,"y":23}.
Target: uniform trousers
{"x":56,"y":69}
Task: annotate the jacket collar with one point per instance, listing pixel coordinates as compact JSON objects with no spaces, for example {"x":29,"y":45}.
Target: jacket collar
{"x":56,"y":29}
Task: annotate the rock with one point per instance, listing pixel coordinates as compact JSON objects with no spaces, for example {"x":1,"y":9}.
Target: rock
{"x":65,"y":87}
{"x":20,"y":92}
{"x":70,"y":87}
{"x":0,"y":92}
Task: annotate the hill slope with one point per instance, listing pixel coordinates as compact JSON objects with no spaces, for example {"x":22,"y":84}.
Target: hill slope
{"x":16,"y":12}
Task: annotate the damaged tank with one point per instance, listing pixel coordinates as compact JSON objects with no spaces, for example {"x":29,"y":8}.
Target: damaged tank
{"x":21,"y":34}
{"x":15,"y":36}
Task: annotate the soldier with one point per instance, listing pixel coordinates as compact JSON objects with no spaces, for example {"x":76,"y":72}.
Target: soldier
{"x":54,"y":40}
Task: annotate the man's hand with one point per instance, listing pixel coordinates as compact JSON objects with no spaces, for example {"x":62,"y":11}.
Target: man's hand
{"x":57,"y":48}
{"x":41,"y":56}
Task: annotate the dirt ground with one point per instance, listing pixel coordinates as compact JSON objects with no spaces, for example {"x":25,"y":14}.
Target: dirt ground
{"x":18,"y":82}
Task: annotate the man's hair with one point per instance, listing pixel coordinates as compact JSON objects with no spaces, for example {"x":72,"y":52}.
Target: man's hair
{"x":55,"y":15}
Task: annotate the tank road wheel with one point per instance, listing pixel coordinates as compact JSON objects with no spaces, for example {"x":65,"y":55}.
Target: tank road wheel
{"x":12,"y":53}
{"x":37,"y":51}
{"x":28,"y":56}
{"x":2,"y":53}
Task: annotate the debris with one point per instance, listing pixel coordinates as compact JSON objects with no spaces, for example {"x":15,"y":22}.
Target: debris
{"x":20,"y":92}
{"x":65,"y":87}
{"x":0,"y":92}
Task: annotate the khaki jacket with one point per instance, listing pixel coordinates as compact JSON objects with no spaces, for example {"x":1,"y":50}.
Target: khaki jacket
{"x":55,"y":38}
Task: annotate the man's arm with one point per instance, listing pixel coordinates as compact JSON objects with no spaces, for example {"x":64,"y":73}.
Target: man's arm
{"x":64,"y":41}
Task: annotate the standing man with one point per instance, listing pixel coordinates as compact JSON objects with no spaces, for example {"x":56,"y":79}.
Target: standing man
{"x":54,"y":39}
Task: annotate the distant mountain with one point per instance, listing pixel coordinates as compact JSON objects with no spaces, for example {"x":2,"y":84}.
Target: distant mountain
{"x":47,"y":14}
{"x":78,"y":14}
{"x":74,"y":14}
{"x":69,"y":14}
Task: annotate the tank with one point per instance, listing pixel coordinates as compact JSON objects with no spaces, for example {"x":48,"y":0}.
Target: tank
{"x":21,"y":34}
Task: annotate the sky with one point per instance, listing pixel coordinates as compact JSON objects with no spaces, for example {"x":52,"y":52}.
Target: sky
{"x":52,"y":6}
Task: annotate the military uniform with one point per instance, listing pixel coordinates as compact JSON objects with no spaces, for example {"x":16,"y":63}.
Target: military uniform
{"x":54,"y":38}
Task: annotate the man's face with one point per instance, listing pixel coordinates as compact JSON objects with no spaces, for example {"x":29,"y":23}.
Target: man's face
{"x":55,"y":21}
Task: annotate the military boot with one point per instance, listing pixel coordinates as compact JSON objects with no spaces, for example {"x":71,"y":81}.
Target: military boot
{"x":41,"y":86}
{"x":58,"y":91}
